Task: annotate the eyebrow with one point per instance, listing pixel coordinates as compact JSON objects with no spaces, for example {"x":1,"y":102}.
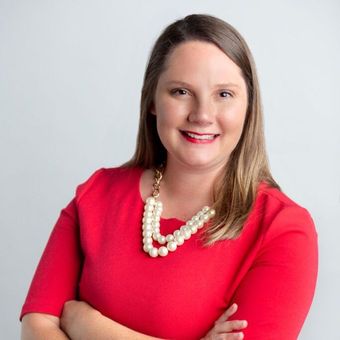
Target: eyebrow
{"x":183,"y":83}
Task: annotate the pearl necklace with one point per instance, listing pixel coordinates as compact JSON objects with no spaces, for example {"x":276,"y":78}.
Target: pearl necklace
{"x":151,"y":224}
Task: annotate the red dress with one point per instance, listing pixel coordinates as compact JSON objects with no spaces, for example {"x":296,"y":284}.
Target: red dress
{"x":95,"y":254}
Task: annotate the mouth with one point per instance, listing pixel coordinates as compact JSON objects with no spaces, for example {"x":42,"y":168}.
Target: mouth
{"x":199,"y":137}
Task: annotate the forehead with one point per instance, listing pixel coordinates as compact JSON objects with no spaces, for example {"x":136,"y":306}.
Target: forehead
{"x":198,"y":60}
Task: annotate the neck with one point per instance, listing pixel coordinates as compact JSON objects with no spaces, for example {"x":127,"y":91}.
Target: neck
{"x":188,"y":184}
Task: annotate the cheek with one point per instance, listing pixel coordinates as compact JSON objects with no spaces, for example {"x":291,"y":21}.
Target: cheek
{"x":165,"y":120}
{"x":170,"y":113}
{"x":233,"y":119}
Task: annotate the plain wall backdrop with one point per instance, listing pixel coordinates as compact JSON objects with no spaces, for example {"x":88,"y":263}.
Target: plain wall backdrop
{"x":70,"y":83}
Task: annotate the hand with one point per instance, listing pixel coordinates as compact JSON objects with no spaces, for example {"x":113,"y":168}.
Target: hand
{"x":222,"y":327}
{"x":76,"y":316}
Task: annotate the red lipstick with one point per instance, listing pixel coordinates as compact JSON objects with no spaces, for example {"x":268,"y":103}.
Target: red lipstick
{"x":194,"y":140}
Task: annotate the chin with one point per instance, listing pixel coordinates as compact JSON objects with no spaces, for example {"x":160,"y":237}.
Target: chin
{"x":198,"y":163}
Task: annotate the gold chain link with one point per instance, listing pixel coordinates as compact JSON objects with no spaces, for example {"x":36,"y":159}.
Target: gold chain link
{"x":158,"y":177}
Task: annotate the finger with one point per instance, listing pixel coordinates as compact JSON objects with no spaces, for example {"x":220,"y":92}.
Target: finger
{"x":229,"y":326}
{"x":230,"y":311}
{"x":235,"y":336}
{"x":230,"y":336}
{"x":70,"y":303}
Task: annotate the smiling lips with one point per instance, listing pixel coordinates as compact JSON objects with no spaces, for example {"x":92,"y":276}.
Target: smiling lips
{"x":199,"y":138}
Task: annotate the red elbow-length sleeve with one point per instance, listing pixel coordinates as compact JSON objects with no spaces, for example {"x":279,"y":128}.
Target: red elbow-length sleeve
{"x":276,"y":293}
{"x":56,"y":277}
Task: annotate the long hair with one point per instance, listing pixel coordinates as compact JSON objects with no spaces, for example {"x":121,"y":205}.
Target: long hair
{"x":235,"y":191}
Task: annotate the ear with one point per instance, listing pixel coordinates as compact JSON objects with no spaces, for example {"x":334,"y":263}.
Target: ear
{"x":152,"y":109}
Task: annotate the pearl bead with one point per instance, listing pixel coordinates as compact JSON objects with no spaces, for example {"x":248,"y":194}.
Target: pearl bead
{"x":156,"y":224}
{"x":147,"y":219}
{"x":180,"y":240}
{"x":153,"y":252}
{"x":147,"y":214}
{"x":150,"y":200}
{"x":147,"y":226}
{"x":172,"y":245}
{"x":169,"y":237}
{"x":177,"y":232}
{"x":147,"y":240}
{"x":193,"y":229}
{"x":163,"y":251}
{"x":147,"y":233}
{"x":147,"y":247}
{"x":195,"y":224}
{"x":161,"y":239}
{"x":156,"y":236}
{"x":187,"y":234}
{"x":200,"y":224}
{"x":205,"y":209}
{"x":205,"y":218}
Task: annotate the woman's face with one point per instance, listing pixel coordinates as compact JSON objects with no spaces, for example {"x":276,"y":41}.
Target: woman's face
{"x":200,"y":104}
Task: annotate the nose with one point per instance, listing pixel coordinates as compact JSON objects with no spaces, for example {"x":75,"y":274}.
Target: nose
{"x":201,"y":113}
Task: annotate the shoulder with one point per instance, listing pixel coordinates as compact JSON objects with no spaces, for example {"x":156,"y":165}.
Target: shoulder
{"x":104,"y":178}
{"x":276,"y":195}
{"x":280,"y":214}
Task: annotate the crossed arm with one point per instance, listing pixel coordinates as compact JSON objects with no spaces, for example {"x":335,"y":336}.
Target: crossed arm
{"x":80,"y":321}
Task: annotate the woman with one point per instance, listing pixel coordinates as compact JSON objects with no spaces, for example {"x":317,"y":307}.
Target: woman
{"x":194,"y":225}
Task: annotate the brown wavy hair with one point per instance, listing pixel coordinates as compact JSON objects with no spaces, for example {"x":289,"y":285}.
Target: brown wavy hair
{"x":235,"y":191}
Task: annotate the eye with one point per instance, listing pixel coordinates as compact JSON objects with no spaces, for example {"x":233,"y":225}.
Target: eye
{"x":225,"y":94}
{"x":179,"y":91}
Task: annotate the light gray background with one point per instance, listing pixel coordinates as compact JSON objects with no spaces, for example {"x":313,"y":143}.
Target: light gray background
{"x":70,"y":81}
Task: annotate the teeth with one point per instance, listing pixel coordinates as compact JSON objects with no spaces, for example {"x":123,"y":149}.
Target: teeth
{"x":210,"y":137}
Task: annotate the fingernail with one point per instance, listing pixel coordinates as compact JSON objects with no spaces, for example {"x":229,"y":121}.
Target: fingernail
{"x":244,"y":323}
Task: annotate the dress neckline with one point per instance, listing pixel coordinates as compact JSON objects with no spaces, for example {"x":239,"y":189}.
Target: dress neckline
{"x":139,"y":176}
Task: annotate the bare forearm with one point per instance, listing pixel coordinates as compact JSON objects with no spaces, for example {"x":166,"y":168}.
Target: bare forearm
{"x":34,"y":328}
{"x":42,"y":333}
{"x":83,"y":322}
{"x":106,"y":329}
